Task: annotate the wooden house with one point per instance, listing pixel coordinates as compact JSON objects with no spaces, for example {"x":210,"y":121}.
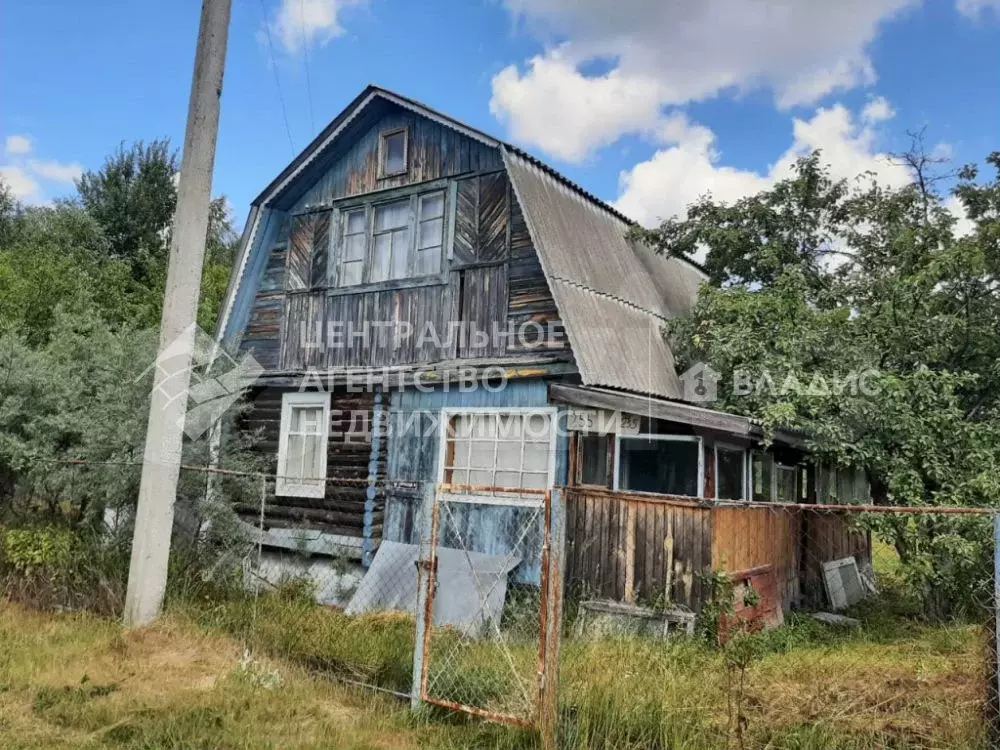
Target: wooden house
{"x":432,"y":304}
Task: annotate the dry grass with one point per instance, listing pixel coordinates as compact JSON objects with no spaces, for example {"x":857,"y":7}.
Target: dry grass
{"x":74,"y":681}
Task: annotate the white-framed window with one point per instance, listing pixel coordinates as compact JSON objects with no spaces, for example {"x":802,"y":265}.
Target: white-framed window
{"x":730,"y":472}
{"x":392,"y":148}
{"x":665,"y":464}
{"x":302,"y":444}
{"x":509,"y":449}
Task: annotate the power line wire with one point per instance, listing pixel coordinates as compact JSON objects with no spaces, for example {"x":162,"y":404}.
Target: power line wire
{"x":277,"y":79}
{"x":305,"y":59}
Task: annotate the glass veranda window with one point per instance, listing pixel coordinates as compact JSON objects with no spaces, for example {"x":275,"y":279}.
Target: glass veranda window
{"x":730,"y":472}
{"x":302,"y":444}
{"x":499,"y":449}
{"x":666,"y":464}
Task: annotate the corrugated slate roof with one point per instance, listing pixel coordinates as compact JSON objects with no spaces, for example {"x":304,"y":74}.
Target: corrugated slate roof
{"x":613,"y":294}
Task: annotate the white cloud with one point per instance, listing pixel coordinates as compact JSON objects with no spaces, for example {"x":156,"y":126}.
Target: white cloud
{"x":963,"y":224}
{"x":974,"y":8}
{"x":877,"y":110}
{"x":17,"y":145}
{"x":659,"y":54}
{"x":679,"y":174}
{"x":54,"y":171}
{"x":299,"y":24}
{"x":22,"y":185}
{"x":25,"y":176}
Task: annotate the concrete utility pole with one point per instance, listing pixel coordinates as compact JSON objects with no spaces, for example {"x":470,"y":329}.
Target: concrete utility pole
{"x":147,"y":577}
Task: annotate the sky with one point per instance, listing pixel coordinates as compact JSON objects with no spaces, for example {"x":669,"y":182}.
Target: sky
{"x":648,"y":104}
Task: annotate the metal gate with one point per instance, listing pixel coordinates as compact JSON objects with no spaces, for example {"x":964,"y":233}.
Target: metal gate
{"x":487,"y":618}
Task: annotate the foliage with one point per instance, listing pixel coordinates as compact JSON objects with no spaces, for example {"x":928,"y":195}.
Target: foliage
{"x":35,"y":549}
{"x":858,"y":315}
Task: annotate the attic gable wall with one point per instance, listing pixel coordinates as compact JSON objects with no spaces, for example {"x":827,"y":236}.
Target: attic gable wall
{"x":434,"y":152}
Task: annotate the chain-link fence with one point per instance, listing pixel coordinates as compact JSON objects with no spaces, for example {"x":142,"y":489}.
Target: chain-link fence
{"x":700,"y":624}
{"x":685,"y":623}
{"x":486,"y":609}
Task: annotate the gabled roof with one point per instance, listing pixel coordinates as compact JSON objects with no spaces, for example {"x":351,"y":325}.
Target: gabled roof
{"x":613,"y":295}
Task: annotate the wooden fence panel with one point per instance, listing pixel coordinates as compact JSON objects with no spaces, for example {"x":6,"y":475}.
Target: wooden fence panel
{"x":637,"y":549}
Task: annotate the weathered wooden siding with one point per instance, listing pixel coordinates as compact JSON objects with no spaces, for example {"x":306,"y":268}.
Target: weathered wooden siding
{"x":748,"y":538}
{"x":262,"y":335}
{"x":530,"y":306}
{"x":414,"y":441}
{"x":829,"y":536}
{"x":433,"y":152}
{"x":637,"y":548}
{"x":342,"y":509}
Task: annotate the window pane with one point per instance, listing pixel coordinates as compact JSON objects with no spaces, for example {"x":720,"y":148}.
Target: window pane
{"x":481,"y":454}
{"x":594,"y":459}
{"x":535,"y":481}
{"x":462,"y":425}
{"x":431,"y":233}
{"x":507,"y":479}
{"x":762,"y":468}
{"x":381,"y":257}
{"x":356,"y":222}
{"x":350,"y":273}
{"x":729,"y":474}
{"x":354,"y":247}
{"x":665,"y":466}
{"x":313,"y":458}
{"x":293,"y":462}
{"x":306,"y":419}
{"x":457,"y":477}
{"x":400,"y":247}
{"x":537,"y":427}
{"x":786,"y":485}
{"x":431,"y":206}
{"x":536,"y":456}
{"x":392,"y":215}
{"x":460,"y":453}
{"x":394,"y":146}
{"x":428,"y":262}
{"x":509,"y":456}
{"x":481,"y":478}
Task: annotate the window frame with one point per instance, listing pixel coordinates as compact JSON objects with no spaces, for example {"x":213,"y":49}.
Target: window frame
{"x":383,"y":152}
{"x":794,"y":469}
{"x":616,"y":478}
{"x":410,"y":248}
{"x":772,"y":481}
{"x":532,"y":498}
{"x":745,"y":473}
{"x":369,"y":205}
{"x":286,"y":485}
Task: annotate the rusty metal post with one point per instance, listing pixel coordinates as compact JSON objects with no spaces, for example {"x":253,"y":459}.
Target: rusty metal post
{"x":424,"y":594}
{"x":555,"y":543}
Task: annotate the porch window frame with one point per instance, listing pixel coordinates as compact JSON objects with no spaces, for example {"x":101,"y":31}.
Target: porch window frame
{"x":286,"y":485}
{"x":745,"y":473}
{"x":533,"y":498}
{"x":616,"y":484}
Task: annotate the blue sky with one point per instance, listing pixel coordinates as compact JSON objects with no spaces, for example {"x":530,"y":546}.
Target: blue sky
{"x":647,"y":104}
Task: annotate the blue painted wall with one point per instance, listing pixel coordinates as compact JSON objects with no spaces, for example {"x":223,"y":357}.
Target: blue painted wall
{"x":414,"y":442}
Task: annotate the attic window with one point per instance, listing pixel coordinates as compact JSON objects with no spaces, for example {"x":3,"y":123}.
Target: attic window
{"x":392,"y":153}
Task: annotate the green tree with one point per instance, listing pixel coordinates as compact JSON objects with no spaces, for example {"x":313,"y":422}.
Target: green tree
{"x":821,"y":278}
